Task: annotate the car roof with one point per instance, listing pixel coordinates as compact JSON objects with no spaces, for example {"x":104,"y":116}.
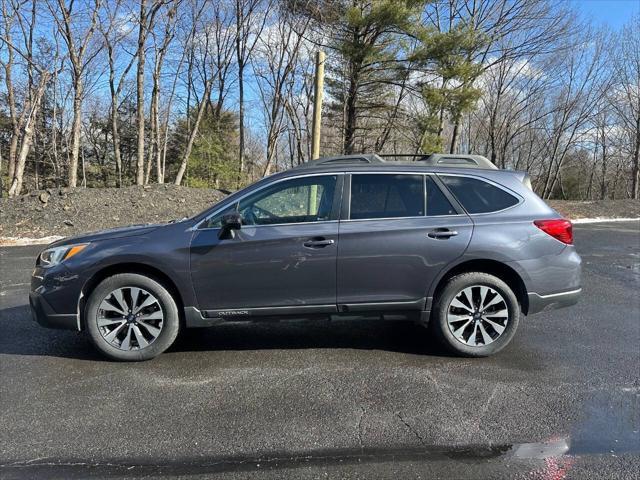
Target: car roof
{"x":436,"y":159}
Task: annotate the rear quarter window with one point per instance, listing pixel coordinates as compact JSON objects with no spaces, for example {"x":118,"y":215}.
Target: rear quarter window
{"x":478,"y":196}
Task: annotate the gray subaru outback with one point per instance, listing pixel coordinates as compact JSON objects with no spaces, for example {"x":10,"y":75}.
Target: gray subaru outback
{"x":464,"y":251}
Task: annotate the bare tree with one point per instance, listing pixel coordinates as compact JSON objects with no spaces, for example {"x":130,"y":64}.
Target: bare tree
{"x":77,"y":38}
{"x":27,"y":134}
{"x":161,"y":47}
{"x":39,"y":69}
{"x":583,"y":86}
{"x":146,"y":21}
{"x":9,"y":13}
{"x":251,"y":18}
{"x":115,"y":31}
{"x":625,"y":99}
{"x":199,"y":61}
{"x":275,"y":62}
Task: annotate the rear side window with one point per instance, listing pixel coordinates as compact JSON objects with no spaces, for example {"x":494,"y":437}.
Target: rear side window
{"x":386,"y":196}
{"x":437,"y":203}
{"x":478,"y":196}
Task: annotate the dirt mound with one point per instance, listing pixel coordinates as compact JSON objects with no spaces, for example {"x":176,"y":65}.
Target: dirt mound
{"x":597,"y":209}
{"x":67,"y":211}
{"x":63,"y":212}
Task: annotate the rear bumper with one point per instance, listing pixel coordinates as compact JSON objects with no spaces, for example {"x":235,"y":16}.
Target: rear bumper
{"x":44,"y":314}
{"x":540,"y":303}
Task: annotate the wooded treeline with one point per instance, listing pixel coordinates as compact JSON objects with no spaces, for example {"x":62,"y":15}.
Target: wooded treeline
{"x":218,"y":93}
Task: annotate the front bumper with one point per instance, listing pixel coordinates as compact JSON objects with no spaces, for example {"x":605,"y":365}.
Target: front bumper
{"x":54,"y":297}
{"x":44,"y":314}
{"x":540,"y":303}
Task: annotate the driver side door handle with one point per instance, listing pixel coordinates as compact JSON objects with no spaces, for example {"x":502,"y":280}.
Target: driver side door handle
{"x":318,"y":243}
{"x":442,"y":233}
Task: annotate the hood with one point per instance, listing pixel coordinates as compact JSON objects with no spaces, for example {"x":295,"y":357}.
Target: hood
{"x":111,"y":233}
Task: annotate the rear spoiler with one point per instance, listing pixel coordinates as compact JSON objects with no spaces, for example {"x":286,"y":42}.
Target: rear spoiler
{"x":524,"y":178}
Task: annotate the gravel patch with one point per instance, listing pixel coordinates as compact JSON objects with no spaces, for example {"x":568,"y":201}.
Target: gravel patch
{"x":597,"y":209}
{"x":64,"y":212}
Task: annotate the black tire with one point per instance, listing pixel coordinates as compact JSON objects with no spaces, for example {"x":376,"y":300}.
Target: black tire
{"x":170,"y":320}
{"x":439,"y":325}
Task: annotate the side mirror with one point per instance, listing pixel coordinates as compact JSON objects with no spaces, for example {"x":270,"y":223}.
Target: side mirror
{"x":230,"y":221}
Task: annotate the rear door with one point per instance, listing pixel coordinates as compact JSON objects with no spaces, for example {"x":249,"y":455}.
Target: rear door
{"x":398,"y":230}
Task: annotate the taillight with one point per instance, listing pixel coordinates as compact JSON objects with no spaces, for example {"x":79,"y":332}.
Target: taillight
{"x":559,"y":228}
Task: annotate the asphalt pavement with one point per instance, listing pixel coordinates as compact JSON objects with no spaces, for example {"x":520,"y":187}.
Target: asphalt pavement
{"x":365,"y":399}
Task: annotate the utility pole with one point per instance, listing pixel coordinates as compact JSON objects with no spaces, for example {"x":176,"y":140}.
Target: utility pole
{"x":317,"y":106}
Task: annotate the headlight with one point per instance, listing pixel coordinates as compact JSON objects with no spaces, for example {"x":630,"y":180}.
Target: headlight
{"x":53,"y":256}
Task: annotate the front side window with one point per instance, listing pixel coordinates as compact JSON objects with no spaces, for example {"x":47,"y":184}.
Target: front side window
{"x":386,"y":196}
{"x":299,"y":200}
{"x":478,"y":196}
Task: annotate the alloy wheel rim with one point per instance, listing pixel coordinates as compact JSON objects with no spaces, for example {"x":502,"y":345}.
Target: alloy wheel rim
{"x":130,"y":318}
{"x":477,"y":316}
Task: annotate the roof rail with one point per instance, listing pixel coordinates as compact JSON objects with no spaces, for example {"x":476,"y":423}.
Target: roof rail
{"x":459,"y":160}
{"x":419,"y":156}
{"x":343,"y":160}
{"x":435,"y":159}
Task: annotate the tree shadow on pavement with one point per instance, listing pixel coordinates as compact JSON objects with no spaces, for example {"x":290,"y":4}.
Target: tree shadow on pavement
{"x":393,"y":336}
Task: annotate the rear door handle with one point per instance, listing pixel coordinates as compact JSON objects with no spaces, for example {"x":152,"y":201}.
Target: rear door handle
{"x":318,"y":243}
{"x":442,"y":233}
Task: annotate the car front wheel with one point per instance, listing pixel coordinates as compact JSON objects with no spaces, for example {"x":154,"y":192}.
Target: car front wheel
{"x":475,"y":315}
{"x":131,"y":317}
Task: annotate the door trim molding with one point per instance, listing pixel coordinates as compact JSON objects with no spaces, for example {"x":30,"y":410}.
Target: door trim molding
{"x":243,"y":313}
{"x":418,"y":304}
{"x":208,"y":318}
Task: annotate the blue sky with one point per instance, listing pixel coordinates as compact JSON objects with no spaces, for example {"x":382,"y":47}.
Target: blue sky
{"x":614,"y":13}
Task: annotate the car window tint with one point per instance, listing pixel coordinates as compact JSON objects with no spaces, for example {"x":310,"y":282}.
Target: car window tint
{"x":477,"y":196}
{"x":299,"y":200}
{"x":386,"y":196}
{"x":437,"y":203}
{"x":216,"y":220}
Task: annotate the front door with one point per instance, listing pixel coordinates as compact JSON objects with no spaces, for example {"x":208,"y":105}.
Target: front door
{"x":399,"y":233}
{"x":283,"y":256}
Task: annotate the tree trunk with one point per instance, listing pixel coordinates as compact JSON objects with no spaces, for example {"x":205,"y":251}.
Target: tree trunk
{"x":115,"y":132}
{"x":142,"y":35}
{"x":27,"y":137}
{"x":635,"y":172}
{"x":15,"y":132}
{"x":155,"y":125}
{"x":240,"y":59}
{"x":272,"y":144}
{"x":11,"y":101}
{"x":603,"y":184}
{"x":192,"y":135}
{"x":391,"y":121}
{"x":454,"y":137}
{"x":116,"y":141}
{"x":75,"y":133}
{"x":241,"y":117}
{"x":350,"y":123}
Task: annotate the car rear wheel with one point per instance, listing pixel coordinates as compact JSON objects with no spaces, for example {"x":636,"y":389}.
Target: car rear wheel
{"x":131,"y":317}
{"x":475,"y":315}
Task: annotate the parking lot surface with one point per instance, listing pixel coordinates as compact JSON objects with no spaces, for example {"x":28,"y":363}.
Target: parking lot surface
{"x":366,"y":399}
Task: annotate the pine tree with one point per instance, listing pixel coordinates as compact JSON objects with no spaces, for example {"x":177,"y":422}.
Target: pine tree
{"x":451,"y":93}
{"x":368,"y":41}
